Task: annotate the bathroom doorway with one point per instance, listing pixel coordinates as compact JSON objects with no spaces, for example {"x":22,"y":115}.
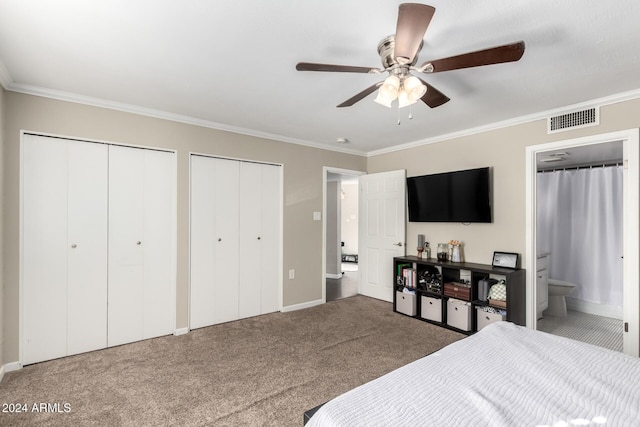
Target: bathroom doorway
{"x":630,"y":323}
{"x":579,"y":222}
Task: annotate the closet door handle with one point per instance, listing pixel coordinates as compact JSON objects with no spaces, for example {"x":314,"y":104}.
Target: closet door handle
{"x":398,"y":244}
{"x":219,"y":239}
{"x":73,"y":246}
{"x":259,"y":237}
{"x":138,"y":243}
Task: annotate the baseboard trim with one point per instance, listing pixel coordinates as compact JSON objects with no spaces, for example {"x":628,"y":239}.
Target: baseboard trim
{"x":301,"y":306}
{"x":592,"y":308}
{"x":333,"y":276}
{"x":181,"y":331}
{"x":10,"y":367}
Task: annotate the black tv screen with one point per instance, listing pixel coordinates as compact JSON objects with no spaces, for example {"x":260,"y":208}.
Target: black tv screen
{"x":460,"y":196}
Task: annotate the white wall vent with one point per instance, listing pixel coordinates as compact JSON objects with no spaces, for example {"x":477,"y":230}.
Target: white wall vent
{"x":574,"y":120}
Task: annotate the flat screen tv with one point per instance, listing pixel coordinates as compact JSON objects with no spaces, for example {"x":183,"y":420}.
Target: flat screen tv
{"x":460,"y":196}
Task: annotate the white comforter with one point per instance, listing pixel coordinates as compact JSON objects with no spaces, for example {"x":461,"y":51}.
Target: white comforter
{"x":505,"y":375}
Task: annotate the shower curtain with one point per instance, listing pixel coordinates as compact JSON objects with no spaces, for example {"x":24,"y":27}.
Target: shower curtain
{"x":579,"y":222}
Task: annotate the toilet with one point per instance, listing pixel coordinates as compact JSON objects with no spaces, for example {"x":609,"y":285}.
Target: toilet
{"x":558,"y":289}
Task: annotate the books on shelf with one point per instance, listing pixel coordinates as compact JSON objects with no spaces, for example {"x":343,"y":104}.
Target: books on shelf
{"x":406,"y":276}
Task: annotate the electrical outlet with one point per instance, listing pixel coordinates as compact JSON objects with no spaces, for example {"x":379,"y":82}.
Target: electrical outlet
{"x":292,"y":274}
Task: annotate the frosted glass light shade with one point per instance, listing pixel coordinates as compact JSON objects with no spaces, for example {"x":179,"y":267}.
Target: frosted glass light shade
{"x":382,"y":100}
{"x":403,"y":99}
{"x":414,"y":88}
{"x":390,"y":87}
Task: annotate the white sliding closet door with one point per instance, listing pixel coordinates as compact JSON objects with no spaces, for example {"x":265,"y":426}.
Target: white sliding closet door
{"x":235,"y":213}
{"x":250,"y":237}
{"x":214,"y":240}
{"x":271,"y":231}
{"x":64,"y":245}
{"x":141,"y":279}
{"x":87,"y":262}
{"x":259,"y":237}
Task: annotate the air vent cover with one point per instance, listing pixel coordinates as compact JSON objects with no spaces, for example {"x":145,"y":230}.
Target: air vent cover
{"x":574,"y":120}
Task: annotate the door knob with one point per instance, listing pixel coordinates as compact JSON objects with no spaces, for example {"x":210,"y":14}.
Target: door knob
{"x":398,"y":244}
{"x":138,"y":242}
{"x":259,"y":237}
{"x":74,"y":246}
{"x":219,"y":239}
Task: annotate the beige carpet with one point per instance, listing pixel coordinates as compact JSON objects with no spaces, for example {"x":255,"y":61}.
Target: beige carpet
{"x":263,"y":371}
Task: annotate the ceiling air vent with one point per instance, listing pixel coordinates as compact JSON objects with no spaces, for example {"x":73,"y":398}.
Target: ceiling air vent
{"x":574,"y":120}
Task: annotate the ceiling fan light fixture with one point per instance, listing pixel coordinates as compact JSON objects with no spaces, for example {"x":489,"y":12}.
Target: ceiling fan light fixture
{"x":414,"y":88}
{"x":404,"y":100}
{"x":390,"y":88}
{"x":383,"y":100}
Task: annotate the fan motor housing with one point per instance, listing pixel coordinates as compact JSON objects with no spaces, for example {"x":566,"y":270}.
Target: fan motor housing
{"x":386,"y":50}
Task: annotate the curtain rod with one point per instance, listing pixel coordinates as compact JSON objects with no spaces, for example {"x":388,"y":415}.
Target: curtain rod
{"x":593,"y":166}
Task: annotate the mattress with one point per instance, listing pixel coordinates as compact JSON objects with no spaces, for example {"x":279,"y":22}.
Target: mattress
{"x":504,"y":375}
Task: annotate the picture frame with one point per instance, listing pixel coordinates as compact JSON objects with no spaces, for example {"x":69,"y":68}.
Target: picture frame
{"x":505,"y":260}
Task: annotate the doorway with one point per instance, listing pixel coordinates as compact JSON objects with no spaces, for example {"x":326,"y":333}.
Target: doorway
{"x":536,"y":294}
{"x":340,"y":234}
{"x":579,"y":221}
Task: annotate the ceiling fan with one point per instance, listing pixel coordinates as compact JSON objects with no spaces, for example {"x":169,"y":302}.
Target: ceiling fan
{"x":399,"y":55}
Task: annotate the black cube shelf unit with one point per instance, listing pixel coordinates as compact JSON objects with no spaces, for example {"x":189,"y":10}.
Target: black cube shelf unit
{"x":452,"y":272}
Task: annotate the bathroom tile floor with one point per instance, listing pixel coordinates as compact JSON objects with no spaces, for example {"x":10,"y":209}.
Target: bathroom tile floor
{"x":597,"y":330}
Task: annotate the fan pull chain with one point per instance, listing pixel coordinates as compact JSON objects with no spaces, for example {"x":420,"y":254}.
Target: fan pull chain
{"x":398,"y":116}
{"x":410,"y":112}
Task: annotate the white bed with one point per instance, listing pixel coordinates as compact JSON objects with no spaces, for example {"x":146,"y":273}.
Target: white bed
{"x":504,"y":375}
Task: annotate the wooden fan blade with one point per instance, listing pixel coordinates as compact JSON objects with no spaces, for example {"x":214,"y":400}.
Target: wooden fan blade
{"x":349,"y":102}
{"x":495,"y":55}
{"x":413,"y":21}
{"x":310,"y":66}
{"x":433,"y":98}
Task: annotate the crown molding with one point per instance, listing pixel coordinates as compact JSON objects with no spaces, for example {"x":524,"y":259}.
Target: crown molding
{"x":611,"y":99}
{"x":158,"y":114}
{"x":7,"y":83}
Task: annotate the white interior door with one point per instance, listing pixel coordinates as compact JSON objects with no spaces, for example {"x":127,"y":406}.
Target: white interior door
{"x":64,"y":243}
{"x":157,"y":243}
{"x":87,"y":247}
{"x":141,"y":280}
{"x":250,"y":238}
{"x":44,"y":249}
{"x":235,"y":212}
{"x":227,"y":246}
{"x":214,"y":240}
{"x":270,"y":239}
{"x":381,"y":234}
{"x":126,"y":204}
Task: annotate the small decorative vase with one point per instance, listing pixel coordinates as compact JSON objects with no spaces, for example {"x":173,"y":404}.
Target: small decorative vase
{"x":455,"y":257}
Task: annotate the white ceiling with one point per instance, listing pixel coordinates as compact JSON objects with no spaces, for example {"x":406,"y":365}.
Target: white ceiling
{"x":230,"y":64}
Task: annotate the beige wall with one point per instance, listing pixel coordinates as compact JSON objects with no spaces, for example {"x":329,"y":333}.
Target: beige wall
{"x":505,"y":151}
{"x":303,"y":177}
